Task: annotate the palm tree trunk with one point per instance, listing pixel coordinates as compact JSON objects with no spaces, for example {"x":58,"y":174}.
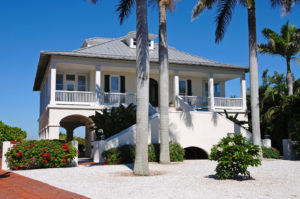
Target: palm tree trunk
{"x":163,"y":84}
{"x":254,"y":75}
{"x":141,"y":166}
{"x":289,"y":77}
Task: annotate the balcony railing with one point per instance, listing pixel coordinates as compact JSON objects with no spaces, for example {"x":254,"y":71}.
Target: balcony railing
{"x":118,"y":98}
{"x":75,"y":96}
{"x":196,"y":101}
{"x":223,"y":102}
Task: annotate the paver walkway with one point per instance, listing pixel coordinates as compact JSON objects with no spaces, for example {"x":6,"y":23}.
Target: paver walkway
{"x":14,"y":186}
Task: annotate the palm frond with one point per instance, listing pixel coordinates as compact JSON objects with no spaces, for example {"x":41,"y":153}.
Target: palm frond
{"x":124,"y":8}
{"x":201,"y":6}
{"x":286,"y":5}
{"x":225,"y":9}
{"x":93,"y":1}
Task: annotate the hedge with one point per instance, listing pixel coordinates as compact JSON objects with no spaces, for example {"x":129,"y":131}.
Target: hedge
{"x":126,"y":154}
{"x":40,"y":154}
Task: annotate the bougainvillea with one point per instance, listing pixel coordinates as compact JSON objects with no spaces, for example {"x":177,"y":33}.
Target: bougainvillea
{"x":40,"y":154}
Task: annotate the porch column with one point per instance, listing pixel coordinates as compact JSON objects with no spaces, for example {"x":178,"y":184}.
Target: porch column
{"x":211,"y":92}
{"x":243,"y":92}
{"x":176,"y":86}
{"x":222,"y":89}
{"x":98,"y":84}
{"x":52,"y":82}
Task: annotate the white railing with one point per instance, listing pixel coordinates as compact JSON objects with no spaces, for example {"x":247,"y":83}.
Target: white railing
{"x":223,"y":102}
{"x":196,"y":101}
{"x":118,"y":98}
{"x":75,"y":96}
{"x":183,"y":104}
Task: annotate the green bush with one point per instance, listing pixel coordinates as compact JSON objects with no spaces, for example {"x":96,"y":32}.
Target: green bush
{"x":40,"y":154}
{"x":270,"y":153}
{"x":234,"y":155}
{"x":81,"y":141}
{"x":126,"y":154}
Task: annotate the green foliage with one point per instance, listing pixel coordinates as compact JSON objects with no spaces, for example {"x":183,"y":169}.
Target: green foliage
{"x":8,"y":133}
{"x":270,"y":153}
{"x":40,"y":154}
{"x":113,"y":121}
{"x":279,"y":112}
{"x":234,"y":155}
{"x":234,"y":118}
{"x":81,"y":141}
{"x":126,"y":154}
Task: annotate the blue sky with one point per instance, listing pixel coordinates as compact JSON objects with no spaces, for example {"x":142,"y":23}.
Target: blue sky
{"x":28,"y":27}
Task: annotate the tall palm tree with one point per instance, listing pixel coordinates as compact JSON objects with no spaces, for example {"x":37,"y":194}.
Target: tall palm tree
{"x":286,"y":44}
{"x":224,"y":14}
{"x":141,"y":166}
{"x":124,"y":10}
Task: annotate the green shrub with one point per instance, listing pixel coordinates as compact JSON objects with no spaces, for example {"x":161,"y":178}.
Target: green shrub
{"x":40,"y":154}
{"x":81,"y":141}
{"x":270,"y":153}
{"x":234,"y":155}
{"x":126,"y":154}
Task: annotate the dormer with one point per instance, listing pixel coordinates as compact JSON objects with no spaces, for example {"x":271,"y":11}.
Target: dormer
{"x":130,"y":40}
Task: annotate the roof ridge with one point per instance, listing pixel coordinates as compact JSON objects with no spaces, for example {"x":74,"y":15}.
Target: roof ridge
{"x":92,"y":38}
{"x":80,"y":49}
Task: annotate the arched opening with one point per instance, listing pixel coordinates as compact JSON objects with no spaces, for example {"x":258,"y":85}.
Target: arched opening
{"x":192,"y":153}
{"x":77,"y":124}
{"x":153,"y":92}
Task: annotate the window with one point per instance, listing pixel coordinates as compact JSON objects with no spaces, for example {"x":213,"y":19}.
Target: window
{"x":114,"y":84}
{"x":59,"y":82}
{"x":70,"y":87}
{"x":182,"y":87}
{"x":81,"y":83}
{"x":70,"y":78}
{"x":217,"y":90}
{"x":134,"y":42}
{"x":70,"y":82}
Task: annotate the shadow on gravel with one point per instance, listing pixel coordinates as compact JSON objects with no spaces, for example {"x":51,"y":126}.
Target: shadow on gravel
{"x":5,"y":175}
{"x":239,"y":178}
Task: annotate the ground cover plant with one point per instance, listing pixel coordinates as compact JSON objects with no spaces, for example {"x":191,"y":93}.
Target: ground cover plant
{"x":126,"y":154}
{"x":40,"y":154}
{"x":270,"y":152}
{"x":234,"y":155}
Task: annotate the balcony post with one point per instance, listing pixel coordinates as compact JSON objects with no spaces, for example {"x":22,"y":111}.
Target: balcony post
{"x":176,"y":87}
{"x":98,"y":84}
{"x":211,"y":92}
{"x":52,"y":82}
{"x":243,"y":92}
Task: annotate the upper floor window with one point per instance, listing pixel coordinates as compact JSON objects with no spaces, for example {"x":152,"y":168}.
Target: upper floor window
{"x":150,"y":43}
{"x":71,"y":82}
{"x":114,"y":84}
{"x":59,"y":82}
{"x":182,"y":87}
{"x":81,"y":83}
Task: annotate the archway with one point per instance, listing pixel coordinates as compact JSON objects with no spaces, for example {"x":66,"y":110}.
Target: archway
{"x":153,"y":92}
{"x":70,"y":123}
{"x":192,"y":153}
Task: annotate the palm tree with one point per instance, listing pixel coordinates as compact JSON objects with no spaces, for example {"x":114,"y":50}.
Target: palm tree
{"x":124,"y":10}
{"x":286,"y":44}
{"x":141,"y":166}
{"x":224,"y":14}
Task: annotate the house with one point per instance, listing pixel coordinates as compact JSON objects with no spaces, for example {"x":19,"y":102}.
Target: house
{"x":101,"y":74}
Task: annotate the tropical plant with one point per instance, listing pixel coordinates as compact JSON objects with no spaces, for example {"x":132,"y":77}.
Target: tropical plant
{"x":234,"y":155}
{"x":270,"y":153}
{"x":114,"y":120}
{"x":35,"y":154}
{"x":224,"y":14}
{"x":286,"y":44}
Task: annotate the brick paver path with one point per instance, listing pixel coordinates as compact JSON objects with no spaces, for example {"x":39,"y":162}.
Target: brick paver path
{"x":14,"y":186}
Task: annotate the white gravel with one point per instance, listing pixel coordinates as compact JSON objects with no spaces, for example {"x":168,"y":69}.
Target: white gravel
{"x":191,"y":179}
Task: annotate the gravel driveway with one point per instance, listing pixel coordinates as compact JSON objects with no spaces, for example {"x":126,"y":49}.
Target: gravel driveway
{"x":191,"y":179}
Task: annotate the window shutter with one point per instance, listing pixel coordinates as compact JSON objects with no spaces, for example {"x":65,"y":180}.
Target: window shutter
{"x":106,"y":83}
{"x":189,"y":87}
{"x":122,"y":89}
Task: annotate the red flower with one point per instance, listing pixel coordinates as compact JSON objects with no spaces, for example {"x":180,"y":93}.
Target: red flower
{"x":64,"y":160}
{"x":25,"y":147}
{"x":45,"y":155}
{"x":118,"y":161}
{"x":53,"y":159}
{"x":20,"y":142}
{"x":26,"y":164}
{"x":44,"y":149}
{"x":16,"y":168}
{"x":12,"y":160}
{"x":32,"y":159}
{"x":45,"y":161}
{"x":19,"y":154}
{"x":171,"y":156}
{"x":13,"y":142}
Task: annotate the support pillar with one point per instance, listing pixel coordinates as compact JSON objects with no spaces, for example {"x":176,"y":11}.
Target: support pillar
{"x":98,"y":84}
{"x":176,"y":87}
{"x":70,"y":134}
{"x":53,"y":133}
{"x":88,"y":139}
{"x":52,"y":82}
{"x":243,"y":92}
{"x":211,"y":92}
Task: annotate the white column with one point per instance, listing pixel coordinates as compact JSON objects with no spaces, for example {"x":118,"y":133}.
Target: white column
{"x":176,"y":86}
{"x":5,"y":146}
{"x":211,"y":92}
{"x":222,"y":89}
{"x":243,"y":92}
{"x":52,"y":82}
{"x":98,"y":83}
{"x":52,"y":133}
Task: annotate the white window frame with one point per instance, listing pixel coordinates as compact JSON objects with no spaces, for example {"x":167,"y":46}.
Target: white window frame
{"x":185,"y":80}
{"x":65,"y":81}
{"x":150,"y":43}
{"x":86,"y":79}
{"x":119,"y":83}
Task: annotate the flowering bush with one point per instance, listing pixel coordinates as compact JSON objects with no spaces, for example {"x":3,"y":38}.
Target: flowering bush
{"x":234,"y":154}
{"x":270,"y":153}
{"x":126,"y":154}
{"x":40,"y":154}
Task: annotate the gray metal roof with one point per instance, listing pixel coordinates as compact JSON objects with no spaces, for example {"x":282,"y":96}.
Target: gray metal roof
{"x":108,"y":48}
